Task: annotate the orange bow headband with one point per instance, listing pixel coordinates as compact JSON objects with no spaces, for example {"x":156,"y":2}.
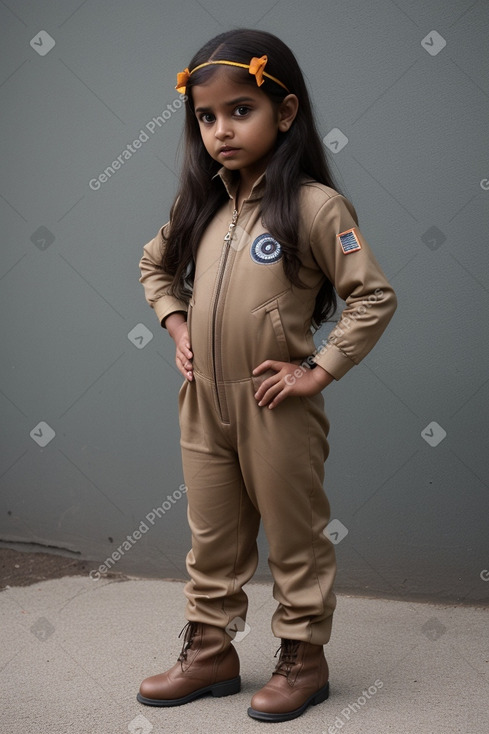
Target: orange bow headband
{"x":256,"y":67}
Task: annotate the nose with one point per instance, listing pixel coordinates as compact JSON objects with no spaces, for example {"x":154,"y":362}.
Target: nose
{"x":223,"y":128}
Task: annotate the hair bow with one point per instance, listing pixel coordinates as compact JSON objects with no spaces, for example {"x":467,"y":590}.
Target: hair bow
{"x":257,"y":67}
{"x":182,"y":80}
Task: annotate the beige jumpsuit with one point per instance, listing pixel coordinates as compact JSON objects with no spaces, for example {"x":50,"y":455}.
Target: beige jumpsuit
{"x":242,"y":462}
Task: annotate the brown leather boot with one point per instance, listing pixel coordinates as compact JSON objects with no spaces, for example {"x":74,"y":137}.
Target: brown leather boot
{"x":299,"y":679}
{"x":208,"y":663}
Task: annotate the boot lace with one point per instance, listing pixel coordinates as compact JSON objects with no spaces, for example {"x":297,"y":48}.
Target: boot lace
{"x":189,"y":630}
{"x":288,"y":655}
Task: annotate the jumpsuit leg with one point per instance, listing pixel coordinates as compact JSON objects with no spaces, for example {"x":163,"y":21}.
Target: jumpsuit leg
{"x":267,"y":463}
{"x":223,"y":520}
{"x":283,"y":469}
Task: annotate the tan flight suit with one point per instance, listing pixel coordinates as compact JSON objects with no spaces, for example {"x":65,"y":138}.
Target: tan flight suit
{"x":243,"y":462}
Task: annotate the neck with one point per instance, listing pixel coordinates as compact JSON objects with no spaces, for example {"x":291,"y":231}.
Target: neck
{"x":245,"y":185}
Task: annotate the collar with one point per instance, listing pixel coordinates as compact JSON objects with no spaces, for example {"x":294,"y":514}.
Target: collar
{"x":230,"y":181}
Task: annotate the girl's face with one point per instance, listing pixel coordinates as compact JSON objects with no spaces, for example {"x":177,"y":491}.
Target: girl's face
{"x":239,"y":123}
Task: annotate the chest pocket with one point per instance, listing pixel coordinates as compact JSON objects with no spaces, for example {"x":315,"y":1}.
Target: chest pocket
{"x":278,"y":328}
{"x":270,"y":330}
{"x":189,"y":318}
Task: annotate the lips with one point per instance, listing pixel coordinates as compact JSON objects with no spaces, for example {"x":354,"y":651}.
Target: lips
{"x":227,"y":150}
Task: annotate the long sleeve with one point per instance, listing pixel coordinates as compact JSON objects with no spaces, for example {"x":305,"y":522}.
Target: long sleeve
{"x":346,"y":259}
{"x":157,"y":283}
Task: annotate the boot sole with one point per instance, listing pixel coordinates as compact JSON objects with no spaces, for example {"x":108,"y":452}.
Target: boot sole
{"x":225,"y":688}
{"x":313,"y":700}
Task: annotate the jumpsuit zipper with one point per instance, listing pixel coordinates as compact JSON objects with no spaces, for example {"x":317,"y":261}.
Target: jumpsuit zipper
{"x":216,"y":325}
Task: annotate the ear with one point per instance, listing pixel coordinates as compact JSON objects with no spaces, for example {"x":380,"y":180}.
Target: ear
{"x":287,"y":112}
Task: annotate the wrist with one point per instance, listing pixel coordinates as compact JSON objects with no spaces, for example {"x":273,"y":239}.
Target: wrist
{"x":321,"y":377}
{"x":173,"y":321}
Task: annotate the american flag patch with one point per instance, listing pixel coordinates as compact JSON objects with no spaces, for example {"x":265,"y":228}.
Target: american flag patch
{"x":349,"y":241}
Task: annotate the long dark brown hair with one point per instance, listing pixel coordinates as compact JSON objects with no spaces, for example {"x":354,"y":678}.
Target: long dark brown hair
{"x":298,"y":153}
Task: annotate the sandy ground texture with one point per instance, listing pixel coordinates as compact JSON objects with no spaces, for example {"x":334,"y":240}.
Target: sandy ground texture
{"x":75,"y":649}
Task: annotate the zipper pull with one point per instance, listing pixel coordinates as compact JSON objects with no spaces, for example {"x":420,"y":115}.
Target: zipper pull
{"x":230,"y":234}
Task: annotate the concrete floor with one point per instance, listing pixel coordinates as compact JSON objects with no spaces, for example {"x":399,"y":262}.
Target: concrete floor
{"x":74,"y":651}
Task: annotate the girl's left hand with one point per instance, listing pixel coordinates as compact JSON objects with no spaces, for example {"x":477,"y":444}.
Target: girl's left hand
{"x":289,"y":379}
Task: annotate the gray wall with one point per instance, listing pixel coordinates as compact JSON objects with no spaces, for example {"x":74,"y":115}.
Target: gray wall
{"x":88,"y":386}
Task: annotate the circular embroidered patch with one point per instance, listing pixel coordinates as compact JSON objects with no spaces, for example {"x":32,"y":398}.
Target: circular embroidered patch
{"x":265,"y":250}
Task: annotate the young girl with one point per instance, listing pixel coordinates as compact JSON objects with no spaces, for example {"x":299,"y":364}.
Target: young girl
{"x":258,"y":241}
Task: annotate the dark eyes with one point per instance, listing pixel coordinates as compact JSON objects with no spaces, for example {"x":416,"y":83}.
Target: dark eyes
{"x":208,"y":118}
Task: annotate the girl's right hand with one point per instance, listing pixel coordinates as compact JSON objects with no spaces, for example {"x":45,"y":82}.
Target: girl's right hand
{"x":177,"y":328}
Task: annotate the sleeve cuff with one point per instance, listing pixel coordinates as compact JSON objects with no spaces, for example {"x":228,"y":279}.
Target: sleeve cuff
{"x":168,"y":305}
{"x":333,"y":360}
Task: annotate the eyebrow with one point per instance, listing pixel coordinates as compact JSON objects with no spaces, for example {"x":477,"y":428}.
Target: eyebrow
{"x":231,"y":103}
